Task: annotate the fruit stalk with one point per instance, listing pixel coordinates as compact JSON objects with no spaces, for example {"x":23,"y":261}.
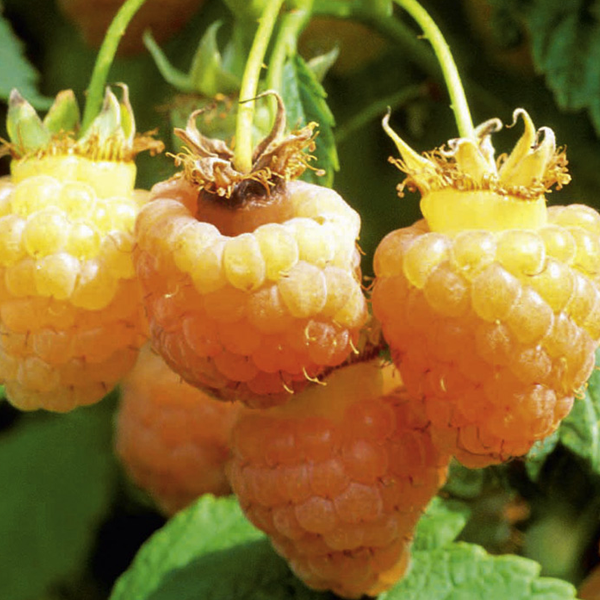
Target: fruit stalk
{"x":460,"y":106}
{"x":285,"y":44}
{"x":242,"y":158}
{"x":104,"y":60}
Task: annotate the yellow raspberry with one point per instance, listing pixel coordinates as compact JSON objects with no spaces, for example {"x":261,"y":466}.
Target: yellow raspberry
{"x":491,"y":304}
{"x":338,"y":478}
{"x":172,"y":438}
{"x":252,"y":294}
{"x":71,"y":316}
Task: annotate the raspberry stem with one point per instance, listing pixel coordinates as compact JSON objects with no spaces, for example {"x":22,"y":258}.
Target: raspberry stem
{"x":285,"y":44}
{"x":104,"y":60}
{"x":441,"y":49}
{"x":242,"y":157}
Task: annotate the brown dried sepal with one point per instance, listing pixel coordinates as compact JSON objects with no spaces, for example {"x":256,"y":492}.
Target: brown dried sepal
{"x":208,"y":162}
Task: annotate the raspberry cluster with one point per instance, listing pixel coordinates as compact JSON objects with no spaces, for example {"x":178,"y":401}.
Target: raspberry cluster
{"x":250,"y":283}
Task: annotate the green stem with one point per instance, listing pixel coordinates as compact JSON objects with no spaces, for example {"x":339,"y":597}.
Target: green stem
{"x":444,"y":56}
{"x":242,"y":156}
{"x":104,"y":60}
{"x":285,"y":44}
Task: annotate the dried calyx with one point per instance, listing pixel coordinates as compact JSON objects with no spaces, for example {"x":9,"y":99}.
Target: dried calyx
{"x":533,"y":167}
{"x":209,"y":163}
{"x":110,"y":137}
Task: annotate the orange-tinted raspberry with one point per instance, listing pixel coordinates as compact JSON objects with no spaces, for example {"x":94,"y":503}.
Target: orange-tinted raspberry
{"x":70,"y":306}
{"x":338,"y":478}
{"x":250,"y":301}
{"x":497,"y":341}
{"x":491,"y":304}
{"x":172,"y":438}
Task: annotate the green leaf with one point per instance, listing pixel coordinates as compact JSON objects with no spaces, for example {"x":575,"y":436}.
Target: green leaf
{"x":565,"y":40}
{"x":464,"y":483}
{"x":441,"y":524}
{"x":206,"y":76}
{"x":466,"y":572}
{"x":207,"y":73}
{"x":197,"y":538}
{"x":321,"y":64}
{"x":304,"y":98}
{"x":16,"y":71}
{"x":210,"y":552}
{"x":178,"y":79}
{"x":536,"y":457}
{"x":248,"y":571}
{"x":580,"y":431}
{"x":57,"y":474}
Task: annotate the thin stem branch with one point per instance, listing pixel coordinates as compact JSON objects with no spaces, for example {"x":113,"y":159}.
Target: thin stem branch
{"x":104,"y":60}
{"x":285,"y":44}
{"x":460,"y":106}
{"x":242,"y":157}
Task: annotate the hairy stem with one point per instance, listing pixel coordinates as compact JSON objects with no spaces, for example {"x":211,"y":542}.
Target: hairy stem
{"x":285,"y":45}
{"x":104,"y":60}
{"x":460,"y":106}
{"x":242,"y":157}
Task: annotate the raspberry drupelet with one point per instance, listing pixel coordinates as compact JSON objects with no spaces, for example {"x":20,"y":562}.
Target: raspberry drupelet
{"x":343,"y":479}
{"x":71,"y":317}
{"x":252,"y":281}
{"x":172,"y":438}
{"x":491,"y":304}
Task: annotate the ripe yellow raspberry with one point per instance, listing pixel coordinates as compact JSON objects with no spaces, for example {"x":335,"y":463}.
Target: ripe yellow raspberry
{"x":251,"y":287}
{"x":172,"y":438}
{"x":71,"y":321}
{"x":338,"y":478}
{"x":491,"y":303}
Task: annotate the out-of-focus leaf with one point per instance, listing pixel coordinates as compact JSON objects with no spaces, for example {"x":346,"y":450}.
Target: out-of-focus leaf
{"x":464,"y":483}
{"x":57,"y":474}
{"x":15,"y":70}
{"x":442,"y":522}
{"x":580,"y":431}
{"x":467,"y":572}
{"x":304,"y":99}
{"x":565,"y":40}
{"x":197,"y":538}
{"x":536,"y":457}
